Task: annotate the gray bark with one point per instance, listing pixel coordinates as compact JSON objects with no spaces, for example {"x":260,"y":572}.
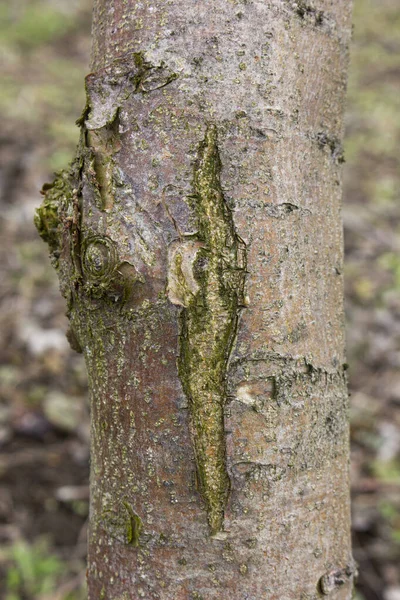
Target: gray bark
{"x":198,"y":241}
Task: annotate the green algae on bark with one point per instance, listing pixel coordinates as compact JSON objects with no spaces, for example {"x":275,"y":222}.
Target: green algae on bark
{"x":208,"y":326}
{"x":47,"y":217}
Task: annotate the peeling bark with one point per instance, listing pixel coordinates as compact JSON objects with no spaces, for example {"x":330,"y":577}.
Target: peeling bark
{"x":197,"y":237}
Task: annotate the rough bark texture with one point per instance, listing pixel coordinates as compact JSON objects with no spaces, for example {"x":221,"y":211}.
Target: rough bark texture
{"x":198,"y":241}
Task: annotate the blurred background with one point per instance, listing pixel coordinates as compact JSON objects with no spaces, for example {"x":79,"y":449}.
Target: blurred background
{"x":44,"y":424}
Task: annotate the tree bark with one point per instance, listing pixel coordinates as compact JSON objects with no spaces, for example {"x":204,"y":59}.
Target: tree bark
{"x":198,"y":240}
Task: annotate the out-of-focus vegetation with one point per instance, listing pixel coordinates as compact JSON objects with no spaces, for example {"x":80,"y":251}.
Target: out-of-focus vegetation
{"x":44,"y":47}
{"x":372,"y":236}
{"x":35,"y":571}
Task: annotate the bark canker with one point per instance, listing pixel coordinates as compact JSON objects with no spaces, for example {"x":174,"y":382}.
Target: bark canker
{"x":209,"y":324}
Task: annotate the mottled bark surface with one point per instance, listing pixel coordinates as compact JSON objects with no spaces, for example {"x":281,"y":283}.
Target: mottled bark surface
{"x":198,"y":240}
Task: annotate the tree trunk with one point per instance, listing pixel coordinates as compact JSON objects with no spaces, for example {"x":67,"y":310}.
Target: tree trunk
{"x":198,"y":240}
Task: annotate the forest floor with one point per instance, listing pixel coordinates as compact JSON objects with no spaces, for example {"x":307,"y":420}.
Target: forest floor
{"x":44,"y":423}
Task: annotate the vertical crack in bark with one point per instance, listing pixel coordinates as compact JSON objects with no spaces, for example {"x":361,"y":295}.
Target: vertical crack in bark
{"x":208,"y":326}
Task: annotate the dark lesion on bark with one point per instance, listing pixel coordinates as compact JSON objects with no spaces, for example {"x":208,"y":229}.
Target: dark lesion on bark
{"x":338,"y":578}
{"x":333,"y":143}
{"x":307,"y":10}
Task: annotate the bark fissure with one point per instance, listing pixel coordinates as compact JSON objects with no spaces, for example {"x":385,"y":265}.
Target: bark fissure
{"x":208,"y":324}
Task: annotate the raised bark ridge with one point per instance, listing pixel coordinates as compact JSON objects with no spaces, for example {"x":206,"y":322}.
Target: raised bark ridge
{"x":97,"y":253}
{"x":208,"y":324}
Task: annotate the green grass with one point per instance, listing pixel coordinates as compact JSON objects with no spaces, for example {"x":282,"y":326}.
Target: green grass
{"x":35,"y":573}
{"x":28,"y":25}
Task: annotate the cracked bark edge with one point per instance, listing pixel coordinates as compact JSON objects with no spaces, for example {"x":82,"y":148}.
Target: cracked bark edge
{"x":209,"y":320}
